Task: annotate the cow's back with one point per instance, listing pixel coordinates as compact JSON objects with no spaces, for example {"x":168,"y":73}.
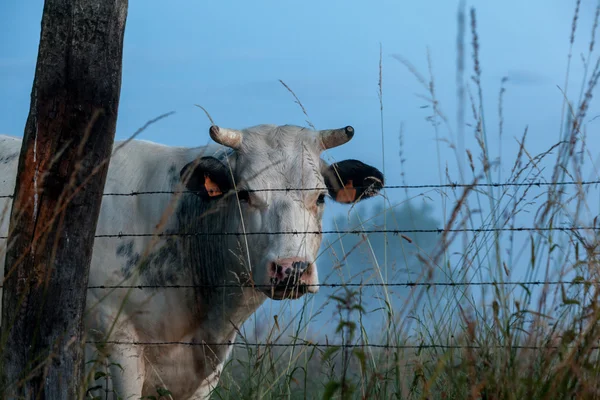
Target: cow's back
{"x":10,"y":147}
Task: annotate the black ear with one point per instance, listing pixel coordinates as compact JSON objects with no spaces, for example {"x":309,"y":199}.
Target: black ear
{"x":350,"y":181}
{"x":210,"y":179}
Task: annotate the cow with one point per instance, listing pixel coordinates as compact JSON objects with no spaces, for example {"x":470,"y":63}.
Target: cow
{"x":240,"y":221}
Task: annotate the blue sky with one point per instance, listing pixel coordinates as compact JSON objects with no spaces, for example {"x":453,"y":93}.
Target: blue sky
{"x":229,"y":55}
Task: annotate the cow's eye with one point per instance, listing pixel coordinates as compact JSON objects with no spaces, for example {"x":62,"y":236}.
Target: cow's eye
{"x":244,"y":196}
{"x":321,"y":199}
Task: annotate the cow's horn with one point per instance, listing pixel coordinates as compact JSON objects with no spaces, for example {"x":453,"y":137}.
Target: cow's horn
{"x":331,"y":138}
{"x":226,"y":137}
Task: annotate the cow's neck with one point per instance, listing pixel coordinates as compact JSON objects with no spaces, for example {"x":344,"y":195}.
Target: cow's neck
{"x":216,"y":265}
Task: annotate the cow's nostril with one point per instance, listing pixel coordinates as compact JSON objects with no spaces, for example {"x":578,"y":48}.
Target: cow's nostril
{"x":300,"y":266}
{"x":288,"y":272}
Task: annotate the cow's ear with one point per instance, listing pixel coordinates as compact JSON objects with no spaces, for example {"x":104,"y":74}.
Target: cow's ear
{"x":209,"y":179}
{"x":350,"y":181}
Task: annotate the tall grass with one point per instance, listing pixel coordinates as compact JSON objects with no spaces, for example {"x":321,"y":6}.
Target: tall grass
{"x":535,"y":340}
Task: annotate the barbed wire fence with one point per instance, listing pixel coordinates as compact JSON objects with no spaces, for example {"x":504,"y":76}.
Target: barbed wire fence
{"x":345,"y":345}
{"x":425,"y":186}
{"x":361,"y":285}
{"x":346,"y":232}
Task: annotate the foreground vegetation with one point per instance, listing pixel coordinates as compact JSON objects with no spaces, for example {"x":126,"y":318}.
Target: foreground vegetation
{"x":519,"y":319}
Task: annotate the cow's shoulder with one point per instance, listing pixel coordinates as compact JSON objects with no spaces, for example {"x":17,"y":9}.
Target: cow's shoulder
{"x":149,"y":172}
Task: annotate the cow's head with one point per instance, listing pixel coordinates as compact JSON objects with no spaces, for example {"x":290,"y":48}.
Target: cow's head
{"x":266,"y":159}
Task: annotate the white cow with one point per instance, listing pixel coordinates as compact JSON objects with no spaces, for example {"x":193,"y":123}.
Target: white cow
{"x":231,"y":193}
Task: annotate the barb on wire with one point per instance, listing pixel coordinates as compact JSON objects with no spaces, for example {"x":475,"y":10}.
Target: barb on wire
{"x":361,"y":285}
{"x":333,"y":345}
{"x":425,"y":186}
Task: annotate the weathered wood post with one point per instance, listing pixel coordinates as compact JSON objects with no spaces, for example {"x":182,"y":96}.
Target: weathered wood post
{"x":69,"y":132}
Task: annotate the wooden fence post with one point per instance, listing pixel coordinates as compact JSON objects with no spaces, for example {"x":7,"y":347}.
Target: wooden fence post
{"x":69,"y":132}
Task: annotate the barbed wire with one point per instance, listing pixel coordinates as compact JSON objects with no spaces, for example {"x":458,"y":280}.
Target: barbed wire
{"x":424,"y":186}
{"x":360,"y":285}
{"x":348,"y":232}
{"x":333,"y":345}
{"x":349,"y":285}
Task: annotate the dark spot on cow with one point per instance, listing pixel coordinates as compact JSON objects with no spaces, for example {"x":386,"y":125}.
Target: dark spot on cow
{"x":163,"y":265}
{"x":159,"y":268}
{"x":173,"y":175}
{"x":125,"y":250}
{"x":6,"y":158}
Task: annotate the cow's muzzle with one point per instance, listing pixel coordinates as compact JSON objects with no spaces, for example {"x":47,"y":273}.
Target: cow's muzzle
{"x":290,"y":278}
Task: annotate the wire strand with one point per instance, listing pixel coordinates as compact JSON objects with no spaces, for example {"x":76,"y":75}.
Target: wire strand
{"x":345,"y":232}
{"x":424,"y":186}
{"x":350,"y":231}
{"x":356,"y":285}
{"x":332,"y":345}
{"x":360,"y":285}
